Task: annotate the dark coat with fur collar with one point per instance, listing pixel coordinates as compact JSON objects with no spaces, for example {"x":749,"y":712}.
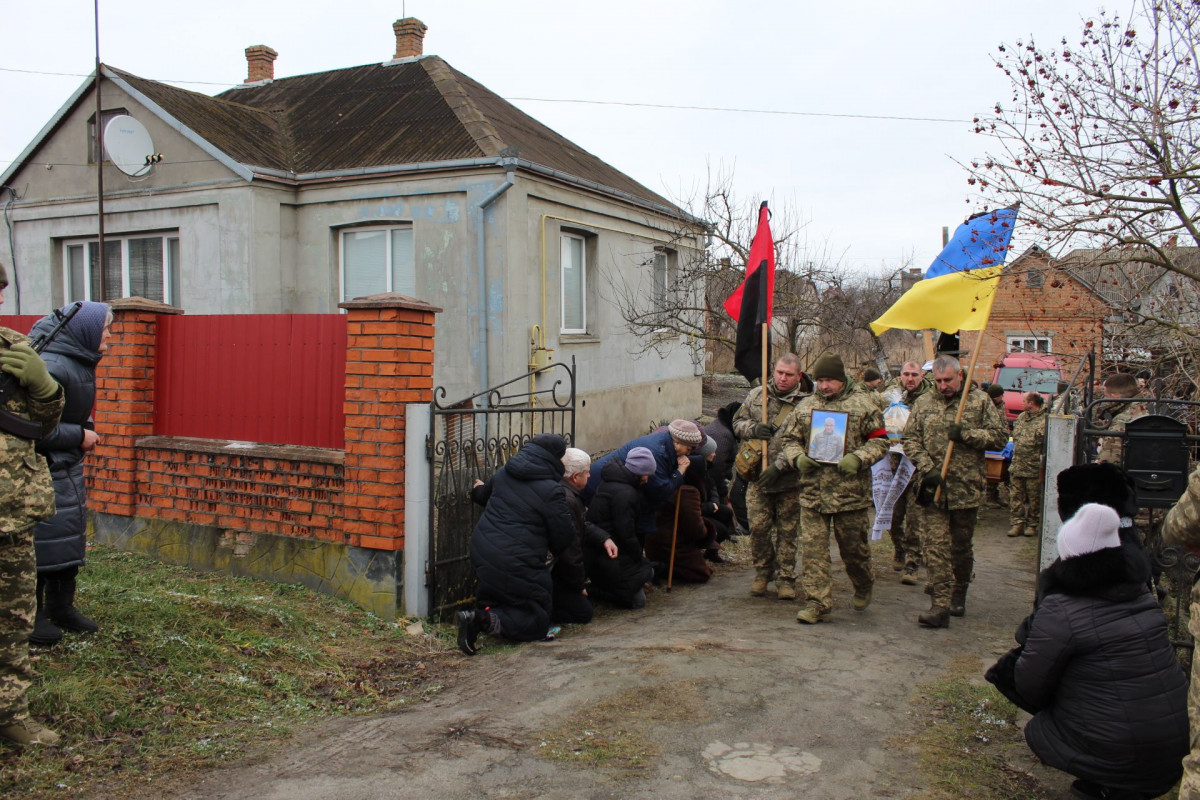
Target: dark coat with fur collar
{"x":1098,"y":663}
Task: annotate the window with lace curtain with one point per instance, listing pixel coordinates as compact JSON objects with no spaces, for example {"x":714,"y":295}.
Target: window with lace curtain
{"x":135,"y":265}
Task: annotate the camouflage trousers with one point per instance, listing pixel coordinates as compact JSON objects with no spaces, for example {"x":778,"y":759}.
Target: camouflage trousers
{"x":774,"y":531}
{"x":1025,"y":504}
{"x":1189,"y":787}
{"x":18,"y":584}
{"x":906,"y":529}
{"x":851,"y":529}
{"x":946,"y":540}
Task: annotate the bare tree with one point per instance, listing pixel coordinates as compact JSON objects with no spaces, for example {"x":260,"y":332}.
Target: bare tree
{"x":1101,"y":146}
{"x":819,"y":303}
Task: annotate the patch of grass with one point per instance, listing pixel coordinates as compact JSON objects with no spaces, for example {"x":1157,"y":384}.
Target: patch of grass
{"x":190,"y":668}
{"x":969,"y":727}
{"x":613,"y":731}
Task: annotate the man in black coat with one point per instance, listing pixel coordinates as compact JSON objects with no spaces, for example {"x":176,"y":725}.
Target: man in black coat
{"x":525,"y":519}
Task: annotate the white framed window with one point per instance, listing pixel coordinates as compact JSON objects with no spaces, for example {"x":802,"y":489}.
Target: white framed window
{"x":135,"y":265}
{"x":1028,"y":344}
{"x":661,"y":258}
{"x":573,"y":282}
{"x":376,"y":260}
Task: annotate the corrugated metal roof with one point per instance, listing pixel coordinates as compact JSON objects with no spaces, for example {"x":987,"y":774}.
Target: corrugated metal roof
{"x":373,"y":116}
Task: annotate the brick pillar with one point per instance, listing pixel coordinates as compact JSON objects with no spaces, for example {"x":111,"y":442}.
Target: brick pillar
{"x":389,"y":363}
{"x":124,"y":409}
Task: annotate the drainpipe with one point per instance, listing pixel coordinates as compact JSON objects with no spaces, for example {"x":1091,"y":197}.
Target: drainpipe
{"x":481,"y":268}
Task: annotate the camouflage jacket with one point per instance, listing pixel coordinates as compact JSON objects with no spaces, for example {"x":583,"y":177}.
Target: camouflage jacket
{"x":26,"y":492}
{"x":1029,"y":444}
{"x":1182,"y":525}
{"x":1112,"y":447}
{"x":827,"y":489}
{"x":751,"y":413}
{"x":925,"y":442}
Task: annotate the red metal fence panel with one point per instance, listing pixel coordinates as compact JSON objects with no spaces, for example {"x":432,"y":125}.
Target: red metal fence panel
{"x":21,"y":323}
{"x":268,"y":378}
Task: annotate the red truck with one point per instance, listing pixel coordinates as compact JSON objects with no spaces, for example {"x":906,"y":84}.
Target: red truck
{"x":1019,"y":373}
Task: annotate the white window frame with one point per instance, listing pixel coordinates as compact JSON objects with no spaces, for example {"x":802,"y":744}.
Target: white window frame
{"x":564,"y":239}
{"x":389,"y":283}
{"x":1030,"y":344}
{"x":170,"y":270}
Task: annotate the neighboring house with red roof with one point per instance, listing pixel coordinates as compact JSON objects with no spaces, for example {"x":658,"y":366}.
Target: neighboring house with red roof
{"x":290,"y":195}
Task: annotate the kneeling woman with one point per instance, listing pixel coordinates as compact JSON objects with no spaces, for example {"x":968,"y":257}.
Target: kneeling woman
{"x":1098,"y":669}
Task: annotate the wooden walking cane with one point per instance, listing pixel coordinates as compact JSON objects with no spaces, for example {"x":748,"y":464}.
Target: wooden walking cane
{"x":674,"y":536}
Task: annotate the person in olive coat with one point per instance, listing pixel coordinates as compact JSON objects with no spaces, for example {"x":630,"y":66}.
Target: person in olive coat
{"x":526,"y":519}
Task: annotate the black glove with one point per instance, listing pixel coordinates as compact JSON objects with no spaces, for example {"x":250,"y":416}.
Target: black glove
{"x":954,"y":431}
{"x":929,"y":486}
{"x":762,"y":430}
{"x":769,"y":478}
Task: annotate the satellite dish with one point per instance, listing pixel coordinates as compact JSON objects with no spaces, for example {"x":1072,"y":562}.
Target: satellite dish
{"x":128,"y":145}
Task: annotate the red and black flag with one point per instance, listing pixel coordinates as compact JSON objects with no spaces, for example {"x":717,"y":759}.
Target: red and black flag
{"x":751,"y":303}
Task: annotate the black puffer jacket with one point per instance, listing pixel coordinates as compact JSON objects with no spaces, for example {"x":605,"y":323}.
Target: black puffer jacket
{"x":615,"y":510}
{"x":61,"y":540}
{"x":720,"y":430}
{"x":1098,"y":663}
{"x":525,"y":519}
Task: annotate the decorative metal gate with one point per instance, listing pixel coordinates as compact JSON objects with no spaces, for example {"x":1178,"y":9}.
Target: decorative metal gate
{"x":468,"y":441}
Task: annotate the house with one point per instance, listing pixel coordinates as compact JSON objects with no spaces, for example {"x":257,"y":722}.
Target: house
{"x":290,"y":195}
{"x":1042,"y":306}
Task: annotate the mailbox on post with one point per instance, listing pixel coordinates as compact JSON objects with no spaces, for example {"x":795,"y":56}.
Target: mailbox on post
{"x":1156,"y":457}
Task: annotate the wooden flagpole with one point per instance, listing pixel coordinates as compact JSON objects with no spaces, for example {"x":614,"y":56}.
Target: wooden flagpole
{"x":766,"y":341}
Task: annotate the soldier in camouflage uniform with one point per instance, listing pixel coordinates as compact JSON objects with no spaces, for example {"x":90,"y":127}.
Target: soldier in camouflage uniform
{"x":26,"y":497}
{"x":1182,"y":528}
{"x":773,"y":510}
{"x":1025,"y":473}
{"x":1118,"y":386}
{"x":948,"y":525}
{"x":905,"y":530}
{"x":836,"y":496}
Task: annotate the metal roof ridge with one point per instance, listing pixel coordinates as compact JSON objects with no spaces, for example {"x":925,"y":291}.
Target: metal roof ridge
{"x":473,"y":120}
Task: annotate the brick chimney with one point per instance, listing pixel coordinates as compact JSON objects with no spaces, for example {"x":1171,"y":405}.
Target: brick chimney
{"x":410,"y":37}
{"x":260,"y":63}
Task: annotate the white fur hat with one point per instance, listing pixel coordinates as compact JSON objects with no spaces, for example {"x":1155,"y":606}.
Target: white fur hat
{"x":1094,"y":527}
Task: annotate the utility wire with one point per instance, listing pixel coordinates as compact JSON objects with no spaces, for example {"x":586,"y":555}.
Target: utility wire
{"x":626,"y":104}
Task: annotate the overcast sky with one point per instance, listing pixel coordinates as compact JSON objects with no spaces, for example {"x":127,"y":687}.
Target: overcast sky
{"x":874,"y":192}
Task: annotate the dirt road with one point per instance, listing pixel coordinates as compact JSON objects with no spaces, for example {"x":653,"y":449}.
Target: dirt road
{"x":729,"y":697}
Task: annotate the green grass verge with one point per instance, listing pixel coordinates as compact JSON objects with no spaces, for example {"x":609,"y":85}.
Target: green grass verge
{"x":969,"y":734}
{"x":190,"y":668}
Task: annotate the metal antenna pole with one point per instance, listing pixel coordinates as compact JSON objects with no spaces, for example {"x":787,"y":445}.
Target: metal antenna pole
{"x":99,"y":162}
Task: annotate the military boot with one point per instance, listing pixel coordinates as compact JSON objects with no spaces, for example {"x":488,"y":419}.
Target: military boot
{"x":812,"y":613}
{"x":759,"y":587}
{"x":786,"y":590}
{"x":1031,"y":531}
{"x":862,"y":599}
{"x":909,"y":578}
{"x":1016,"y":529}
{"x":958,"y":602}
{"x":935,"y":617}
{"x":26,"y":732}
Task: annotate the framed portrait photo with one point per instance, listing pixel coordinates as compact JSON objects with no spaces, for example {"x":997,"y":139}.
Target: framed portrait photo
{"x":827,"y":436}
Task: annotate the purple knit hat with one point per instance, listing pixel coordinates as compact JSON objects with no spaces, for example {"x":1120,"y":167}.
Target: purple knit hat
{"x":640,"y":461}
{"x":87,"y":326}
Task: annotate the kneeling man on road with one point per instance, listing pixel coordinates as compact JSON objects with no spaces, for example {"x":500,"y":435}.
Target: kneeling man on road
{"x":833,"y":495}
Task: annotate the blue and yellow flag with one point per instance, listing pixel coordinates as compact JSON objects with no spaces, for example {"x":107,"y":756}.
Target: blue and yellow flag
{"x":960,"y":284}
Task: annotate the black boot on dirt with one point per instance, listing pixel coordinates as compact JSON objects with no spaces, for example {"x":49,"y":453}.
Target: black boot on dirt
{"x":958,"y":603}
{"x":468,"y":632}
{"x":60,"y":605}
{"x":935,"y":617}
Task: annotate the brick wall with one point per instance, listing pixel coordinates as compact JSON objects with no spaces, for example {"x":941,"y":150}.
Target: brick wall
{"x":242,"y":498}
{"x":1060,"y":308}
